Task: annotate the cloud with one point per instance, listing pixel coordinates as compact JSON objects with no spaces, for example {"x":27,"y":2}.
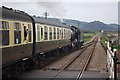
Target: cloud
{"x":53,"y":8}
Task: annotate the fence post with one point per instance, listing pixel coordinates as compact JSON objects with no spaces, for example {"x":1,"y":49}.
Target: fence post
{"x":108,"y":45}
{"x":112,"y":61}
{"x":115,"y":65}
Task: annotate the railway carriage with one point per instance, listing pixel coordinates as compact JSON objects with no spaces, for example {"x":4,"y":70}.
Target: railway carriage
{"x":14,"y":47}
{"x":50,"y":35}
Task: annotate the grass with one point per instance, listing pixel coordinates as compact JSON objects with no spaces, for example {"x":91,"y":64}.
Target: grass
{"x":103,"y":39}
{"x":116,"y":47}
{"x":88,"y":36}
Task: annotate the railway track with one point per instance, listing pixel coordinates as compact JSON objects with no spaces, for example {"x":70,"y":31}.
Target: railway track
{"x":86,"y":63}
{"x":93,"y":44}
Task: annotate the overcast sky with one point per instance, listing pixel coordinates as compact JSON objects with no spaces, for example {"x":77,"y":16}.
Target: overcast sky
{"x":83,"y":10}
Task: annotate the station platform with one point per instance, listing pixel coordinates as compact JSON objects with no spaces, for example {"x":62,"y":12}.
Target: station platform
{"x":118,"y":76}
{"x":72,"y":75}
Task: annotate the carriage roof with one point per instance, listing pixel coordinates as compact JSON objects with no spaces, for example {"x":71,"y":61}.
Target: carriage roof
{"x":11,"y":14}
{"x":48,"y":22}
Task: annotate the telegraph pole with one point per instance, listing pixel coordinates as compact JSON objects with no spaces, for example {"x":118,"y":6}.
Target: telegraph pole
{"x":46,"y":14}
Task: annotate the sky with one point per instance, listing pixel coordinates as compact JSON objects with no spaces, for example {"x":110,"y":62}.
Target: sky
{"x":82,"y":10}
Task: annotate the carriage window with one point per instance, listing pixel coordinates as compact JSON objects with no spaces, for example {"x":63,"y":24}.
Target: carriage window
{"x":64,"y":34}
{"x":50,"y":33}
{"x":61,"y":33}
{"x":29,"y":33}
{"x":0,"y":33}
{"x":0,"y":25}
{"x":4,"y":32}
{"x":67,"y":34}
{"x":45,"y":32}
{"x":41,"y":33}
{"x":17,"y":33}
{"x":54,"y":33}
{"x":57,"y":33}
{"x":38,"y":33}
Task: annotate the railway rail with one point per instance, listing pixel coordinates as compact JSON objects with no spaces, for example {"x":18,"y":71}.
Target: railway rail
{"x":86,"y":63}
{"x":93,"y":43}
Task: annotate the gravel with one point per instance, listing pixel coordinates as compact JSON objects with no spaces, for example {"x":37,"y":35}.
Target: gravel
{"x":59,"y":64}
{"x":98,"y":60}
{"x":97,"y":63}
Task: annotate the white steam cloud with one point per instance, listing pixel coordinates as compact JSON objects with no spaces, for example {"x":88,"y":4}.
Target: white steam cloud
{"x":53,"y":8}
